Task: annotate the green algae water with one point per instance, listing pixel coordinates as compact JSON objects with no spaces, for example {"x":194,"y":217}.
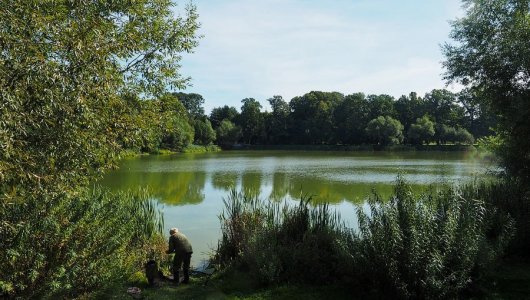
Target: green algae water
{"x":190,"y":187}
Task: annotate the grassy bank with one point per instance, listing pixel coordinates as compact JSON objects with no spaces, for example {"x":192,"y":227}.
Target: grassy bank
{"x":201,"y":149}
{"x":510,"y":281}
{"x":353,"y":147}
{"x":188,"y":149}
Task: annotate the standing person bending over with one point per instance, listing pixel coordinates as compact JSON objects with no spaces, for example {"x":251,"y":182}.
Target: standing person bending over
{"x":179,"y":244}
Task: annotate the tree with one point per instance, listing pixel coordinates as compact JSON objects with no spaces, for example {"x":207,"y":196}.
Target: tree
{"x":251,"y":120}
{"x":385,"y":131}
{"x":65,"y":68}
{"x":422,"y":131}
{"x":441,"y":105}
{"x":445,"y":134}
{"x":409,"y":109}
{"x":228,"y":133}
{"x":350,"y":119}
{"x":491,"y":55}
{"x":62,"y":71}
{"x":381,"y":105}
{"x":279,"y":120}
{"x":204,"y":133}
{"x":173,"y":123}
{"x":312,"y":117}
{"x":219,"y":114}
{"x":193,"y":104}
{"x":462,"y":136}
{"x":478,"y":118}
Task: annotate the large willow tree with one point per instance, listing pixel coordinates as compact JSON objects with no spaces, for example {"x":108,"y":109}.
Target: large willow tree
{"x":65,"y":66}
{"x":491,"y":55}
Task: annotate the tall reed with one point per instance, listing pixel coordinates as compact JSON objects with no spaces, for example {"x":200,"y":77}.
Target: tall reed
{"x":431,"y":246}
{"x":434,"y":245}
{"x":277,"y":242}
{"x":67,"y":246}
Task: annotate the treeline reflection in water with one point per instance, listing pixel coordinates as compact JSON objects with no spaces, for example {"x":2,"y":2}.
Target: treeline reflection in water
{"x":333,"y":178}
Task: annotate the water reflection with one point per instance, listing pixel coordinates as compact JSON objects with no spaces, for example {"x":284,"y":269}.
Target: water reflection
{"x":326,"y":177}
{"x":190,"y":187}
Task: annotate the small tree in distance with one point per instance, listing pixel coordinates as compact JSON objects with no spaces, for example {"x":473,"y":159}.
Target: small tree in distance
{"x":421,"y":131}
{"x":228,"y":133}
{"x":385,"y":131}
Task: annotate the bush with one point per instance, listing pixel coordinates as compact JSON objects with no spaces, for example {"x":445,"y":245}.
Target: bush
{"x":433,"y":246}
{"x":66,"y":246}
{"x":430,"y":246}
{"x":385,"y":131}
{"x":279,"y":243}
{"x":462,"y":136}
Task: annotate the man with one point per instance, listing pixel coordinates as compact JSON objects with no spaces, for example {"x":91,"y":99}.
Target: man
{"x":179,"y":244}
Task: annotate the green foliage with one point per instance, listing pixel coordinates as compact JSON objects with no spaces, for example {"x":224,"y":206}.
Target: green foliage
{"x":204,"y":133}
{"x":193,"y":104}
{"x":64,"y":246}
{"x":312,"y":117}
{"x":385,"y":131}
{"x":201,"y":149}
{"x":490,"y":143}
{"x":68,"y":71}
{"x":228,"y":133}
{"x":441,"y":104}
{"x":219,"y":114}
{"x":154,"y":124}
{"x":435,"y":245}
{"x":380,"y":105}
{"x":422,"y":131}
{"x":490,"y":56}
{"x":428,"y":247}
{"x":409,"y":109}
{"x":62,"y":69}
{"x":278,"y":123}
{"x":351,"y":117}
{"x":478,"y":118}
{"x":463,"y":136}
{"x":251,"y":120}
{"x":324,"y":118}
{"x":278,"y":242}
{"x":445,"y":134}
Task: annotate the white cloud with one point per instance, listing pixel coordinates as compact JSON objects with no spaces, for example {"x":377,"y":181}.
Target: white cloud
{"x":264,"y":48}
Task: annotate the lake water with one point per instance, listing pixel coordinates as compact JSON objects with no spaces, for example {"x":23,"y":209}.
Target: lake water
{"x":190,"y":187}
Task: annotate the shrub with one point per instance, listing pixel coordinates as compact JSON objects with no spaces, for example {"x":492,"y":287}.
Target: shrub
{"x":385,"y":131}
{"x":433,"y":246}
{"x":66,"y":246}
{"x":462,"y":136}
{"x":279,"y":243}
{"x":421,"y":131}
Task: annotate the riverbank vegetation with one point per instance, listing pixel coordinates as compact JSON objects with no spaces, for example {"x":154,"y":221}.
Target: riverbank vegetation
{"x":67,"y":73}
{"x":81,"y":83}
{"x":435,"y":245}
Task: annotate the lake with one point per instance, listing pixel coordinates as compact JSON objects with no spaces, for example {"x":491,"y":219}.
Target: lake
{"x":190,"y":187}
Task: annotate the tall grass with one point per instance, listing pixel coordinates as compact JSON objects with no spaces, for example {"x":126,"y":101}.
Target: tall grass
{"x":277,"y":242}
{"x":67,"y":246}
{"x":428,"y":246}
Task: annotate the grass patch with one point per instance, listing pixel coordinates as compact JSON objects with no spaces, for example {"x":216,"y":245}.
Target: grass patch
{"x":201,"y":149}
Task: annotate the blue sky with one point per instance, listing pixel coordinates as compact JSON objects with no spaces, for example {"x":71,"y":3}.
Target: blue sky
{"x":263,"y":48}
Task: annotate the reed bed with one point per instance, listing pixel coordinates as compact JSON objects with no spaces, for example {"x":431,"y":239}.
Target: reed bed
{"x":435,"y":245}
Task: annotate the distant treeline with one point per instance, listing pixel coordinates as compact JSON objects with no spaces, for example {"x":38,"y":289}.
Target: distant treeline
{"x":316,"y":118}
